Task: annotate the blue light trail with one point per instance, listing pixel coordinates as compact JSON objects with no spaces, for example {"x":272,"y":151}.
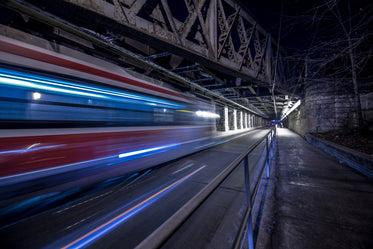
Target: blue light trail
{"x":144,"y":152}
{"x":103,"y":229}
{"x":46,"y":84}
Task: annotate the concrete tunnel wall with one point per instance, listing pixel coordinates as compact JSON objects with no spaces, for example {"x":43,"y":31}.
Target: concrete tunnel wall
{"x":327,"y":107}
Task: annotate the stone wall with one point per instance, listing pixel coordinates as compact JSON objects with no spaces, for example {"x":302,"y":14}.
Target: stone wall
{"x":367,"y":107}
{"x":328,"y":107}
{"x":297,"y":120}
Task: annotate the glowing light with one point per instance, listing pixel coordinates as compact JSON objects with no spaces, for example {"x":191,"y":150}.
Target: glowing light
{"x":23,"y":83}
{"x":287,"y":111}
{"x":185,"y":111}
{"x":35,"y":82}
{"x":205,"y":114}
{"x":30,"y":149}
{"x":100,"y":231}
{"x":32,"y":145}
{"x":36,"y":95}
{"x":144,"y":152}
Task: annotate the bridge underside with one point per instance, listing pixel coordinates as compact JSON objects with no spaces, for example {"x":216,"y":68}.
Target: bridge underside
{"x":209,"y":48}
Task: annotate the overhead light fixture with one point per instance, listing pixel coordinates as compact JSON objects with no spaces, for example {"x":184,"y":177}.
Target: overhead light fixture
{"x":287,"y":112}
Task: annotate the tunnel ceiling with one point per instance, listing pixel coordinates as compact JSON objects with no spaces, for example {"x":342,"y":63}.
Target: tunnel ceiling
{"x":215,"y":51}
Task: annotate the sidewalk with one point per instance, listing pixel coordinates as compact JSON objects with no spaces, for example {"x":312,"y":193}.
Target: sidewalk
{"x":314,"y":201}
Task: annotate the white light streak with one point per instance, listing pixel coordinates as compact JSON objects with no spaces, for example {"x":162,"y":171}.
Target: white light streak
{"x":205,"y":114}
{"x":138,"y":152}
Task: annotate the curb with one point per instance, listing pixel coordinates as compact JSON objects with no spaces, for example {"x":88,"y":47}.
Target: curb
{"x":357,"y":160}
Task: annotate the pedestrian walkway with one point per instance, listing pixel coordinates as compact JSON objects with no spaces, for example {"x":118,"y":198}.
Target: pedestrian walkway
{"x":313,"y":201}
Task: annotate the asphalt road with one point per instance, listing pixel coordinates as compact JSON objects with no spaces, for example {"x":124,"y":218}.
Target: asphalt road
{"x":122,"y":212}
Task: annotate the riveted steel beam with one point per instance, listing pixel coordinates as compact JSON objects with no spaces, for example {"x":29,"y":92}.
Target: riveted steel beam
{"x":217,"y":36}
{"x":191,"y":30}
{"x":226,"y":25}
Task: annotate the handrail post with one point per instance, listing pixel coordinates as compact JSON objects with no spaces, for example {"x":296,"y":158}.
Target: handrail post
{"x":267,"y":145}
{"x":250,"y":239}
{"x":268,"y":149}
{"x":274,"y":141}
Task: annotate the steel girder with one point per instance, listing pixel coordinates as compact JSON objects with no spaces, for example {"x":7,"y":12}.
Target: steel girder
{"x":217,"y":33}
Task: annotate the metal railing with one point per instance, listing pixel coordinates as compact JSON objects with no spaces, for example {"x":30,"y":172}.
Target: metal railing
{"x":165,"y":231}
{"x":246,"y":225}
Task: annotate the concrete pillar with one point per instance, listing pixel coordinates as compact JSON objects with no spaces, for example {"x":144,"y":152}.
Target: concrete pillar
{"x":241,"y":120}
{"x":226,"y":124}
{"x":214,"y":120}
{"x":234,"y":119}
{"x":245,"y":120}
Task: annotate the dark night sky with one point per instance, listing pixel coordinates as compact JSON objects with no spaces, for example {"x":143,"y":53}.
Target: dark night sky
{"x":294,"y":34}
{"x":296,"y":31}
{"x":299,"y":36}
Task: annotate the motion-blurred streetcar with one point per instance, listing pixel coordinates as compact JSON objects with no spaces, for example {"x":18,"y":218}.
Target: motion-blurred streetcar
{"x":68,"y":122}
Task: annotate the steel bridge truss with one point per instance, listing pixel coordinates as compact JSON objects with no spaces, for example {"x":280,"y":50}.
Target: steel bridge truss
{"x":214,"y":43}
{"x":218,"y":31}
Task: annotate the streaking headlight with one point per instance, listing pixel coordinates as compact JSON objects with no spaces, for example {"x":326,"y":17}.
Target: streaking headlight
{"x":205,"y":114}
{"x":41,"y":84}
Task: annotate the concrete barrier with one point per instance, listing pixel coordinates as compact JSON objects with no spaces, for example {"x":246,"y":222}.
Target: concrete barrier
{"x":357,"y":160}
